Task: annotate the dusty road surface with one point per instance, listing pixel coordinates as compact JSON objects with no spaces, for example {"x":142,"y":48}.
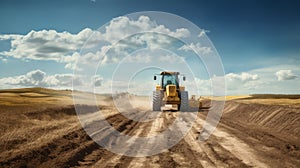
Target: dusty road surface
{"x":39,"y":128}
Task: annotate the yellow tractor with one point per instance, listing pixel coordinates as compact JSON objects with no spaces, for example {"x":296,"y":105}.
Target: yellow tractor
{"x":168,"y":94}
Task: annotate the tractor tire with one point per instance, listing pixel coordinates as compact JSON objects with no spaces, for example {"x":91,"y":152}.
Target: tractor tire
{"x":157,"y":99}
{"x":184,"y":104}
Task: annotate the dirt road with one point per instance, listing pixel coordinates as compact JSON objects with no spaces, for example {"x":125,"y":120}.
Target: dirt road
{"x":61,"y":141}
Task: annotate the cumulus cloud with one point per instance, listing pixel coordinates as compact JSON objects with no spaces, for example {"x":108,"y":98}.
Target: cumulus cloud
{"x":243,"y":81}
{"x":41,"y":79}
{"x":63,"y":47}
{"x":243,"y":77}
{"x":198,"y":48}
{"x":234,"y":84}
{"x":33,"y":78}
{"x":45,"y":44}
{"x":123,"y":26}
{"x":283,"y":75}
{"x":150,"y":41}
{"x":63,"y":80}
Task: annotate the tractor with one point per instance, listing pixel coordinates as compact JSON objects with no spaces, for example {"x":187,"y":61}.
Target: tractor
{"x":169,"y":94}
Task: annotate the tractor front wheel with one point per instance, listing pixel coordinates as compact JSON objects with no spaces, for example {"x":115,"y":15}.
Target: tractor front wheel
{"x":157,"y":97}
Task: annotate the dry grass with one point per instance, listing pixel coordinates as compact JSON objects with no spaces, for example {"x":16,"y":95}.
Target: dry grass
{"x":33,"y":117}
{"x":269,"y":99}
{"x":284,"y":101}
{"x":234,"y":97}
{"x":34,"y":97}
{"x":221,"y":98}
{"x":26,"y":123}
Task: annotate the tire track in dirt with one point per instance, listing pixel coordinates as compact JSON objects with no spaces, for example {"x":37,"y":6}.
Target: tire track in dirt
{"x":96,"y":156}
{"x":97,"y":153}
{"x":153,"y":129}
{"x":179,"y":155}
{"x":211,"y":154}
{"x":116,"y":159}
{"x":164,"y":158}
{"x":145,"y":130}
{"x":271,"y":149}
{"x":194,"y":155}
{"x":238,"y":148}
{"x":129,"y":127}
{"x":184,"y":156}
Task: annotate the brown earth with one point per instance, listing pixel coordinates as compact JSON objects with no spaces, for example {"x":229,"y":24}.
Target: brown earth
{"x":39,"y":128}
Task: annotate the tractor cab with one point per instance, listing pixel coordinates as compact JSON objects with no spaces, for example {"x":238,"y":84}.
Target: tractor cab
{"x":169,"y":79}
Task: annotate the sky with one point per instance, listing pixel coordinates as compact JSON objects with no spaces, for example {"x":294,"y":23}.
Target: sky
{"x":257,"y":41}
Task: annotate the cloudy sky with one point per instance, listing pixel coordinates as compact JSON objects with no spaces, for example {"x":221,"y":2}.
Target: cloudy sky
{"x":258,"y":42}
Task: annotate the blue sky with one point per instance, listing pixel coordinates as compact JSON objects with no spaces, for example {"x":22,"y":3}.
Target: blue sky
{"x":252,"y":37}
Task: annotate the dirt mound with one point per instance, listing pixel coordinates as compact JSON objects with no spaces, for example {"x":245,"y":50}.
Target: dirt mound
{"x":276,"y":125}
{"x":280,"y":119}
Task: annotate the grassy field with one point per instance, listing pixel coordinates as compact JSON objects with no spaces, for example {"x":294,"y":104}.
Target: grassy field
{"x":270,"y":99}
{"x":35,"y":97}
{"x":267,"y":99}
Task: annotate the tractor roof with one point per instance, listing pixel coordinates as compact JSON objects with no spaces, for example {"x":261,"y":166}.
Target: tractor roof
{"x":168,"y":72}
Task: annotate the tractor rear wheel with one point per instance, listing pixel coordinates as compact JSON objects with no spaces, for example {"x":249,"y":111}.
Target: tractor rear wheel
{"x":184,"y":104}
{"x":157,"y":97}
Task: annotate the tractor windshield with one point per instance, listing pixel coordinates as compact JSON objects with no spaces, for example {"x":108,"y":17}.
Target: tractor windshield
{"x":169,"y":79}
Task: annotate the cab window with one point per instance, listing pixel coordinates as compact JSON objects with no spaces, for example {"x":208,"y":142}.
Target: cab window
{"x":169,"y":80}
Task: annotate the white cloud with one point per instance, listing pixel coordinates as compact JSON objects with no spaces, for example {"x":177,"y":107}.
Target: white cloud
{"x":198,"y":86}
{"x":45,"y":44}
{"x":121,"y":27}
{"x":33,"y":78}
{"x":63,"y":47}
{"x":241,"y":82}
{"x":269,"y":83}
{"x":149,"y":41}
{"x":203,"y":32}
{"x":198,"y":48}
{"x":283,"y":75}
{"x":243,"y":77}
{"x":41,"y":79}
{"x":64,"y":80}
